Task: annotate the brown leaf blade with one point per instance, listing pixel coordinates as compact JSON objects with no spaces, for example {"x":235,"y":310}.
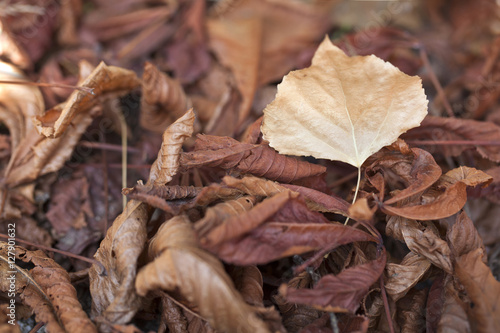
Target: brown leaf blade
{"x":179,"y":265}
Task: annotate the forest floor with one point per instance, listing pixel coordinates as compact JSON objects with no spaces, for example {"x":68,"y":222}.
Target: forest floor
{"x":155,"y":177}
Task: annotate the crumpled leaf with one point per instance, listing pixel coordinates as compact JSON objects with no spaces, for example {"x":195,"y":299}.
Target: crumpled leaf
{"x":103,"y":80}
{"x":405,"y":275}
{"x":167,"y":163}
{"x":163,"y":99}
{"x":275,"y":240}
{"x":342,"y":292}
{"x":411,"y":311}
{"x":179,"y":265}
{"x":47,"y":289}
{"x":448,"y":129}
{"x":452,"y":317}
{"x":259,"y":160}
{"x":483,"y":290}
{"x":463,"y":237}
{"x":343,"y":108}
{"x":114,"y":300}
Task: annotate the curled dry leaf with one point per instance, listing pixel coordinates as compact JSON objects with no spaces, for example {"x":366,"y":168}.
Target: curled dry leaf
{"x":315,"y":200}
{"x":411,"y":311}
{"x":179,"y":265}
{"x":218,"y":214}
{"x":163,"y":99}
{"x":167,"y":163}
{"x":259,"y":160}
{"x":468,"y":176}
{"x":449,"y":129}
{"x":343,"y":108}
{"x":463,"y":237}
{"x":405,"y":275}
{"x":103,"y":80}
{"x":114,"y":299}
{"x":451,"y":314}
{"x":483,"y":290}
{"x":275,"y":240}
{"x":47,"y":289}
{"x":342,"y":292}
{"x":240,"y":224}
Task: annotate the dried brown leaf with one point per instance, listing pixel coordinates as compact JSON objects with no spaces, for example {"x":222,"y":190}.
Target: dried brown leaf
{"x":446,"y":204}
{"x":428,"y":244}
{"x":10,"y":49}
{"x":275,"y":240}
{"x":218,"y":214}
{"x":411,"y":311}
{"x":468,"y":176}
{"x":249,"y":37}
{"x":453,"y":317}
{"x":342,"y":292}
{"x":343,"y":108}
{"x":405,"y":275}
{"x":463,"y":236}
{"x":103,"y":80}
{"x":167,"y":163}
{"x":259,"y":160}
{"x":179,"y":265}
{"x":47,"y":289}
{"x":238,"y":225}
{"x":483,"y":290}
{"x":449,"y":129}
{"x":163,"y":99}
{"x":114,"y":299}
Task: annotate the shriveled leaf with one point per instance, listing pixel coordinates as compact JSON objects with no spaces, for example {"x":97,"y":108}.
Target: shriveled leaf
{"x":342,"y":292}
{"x":343,"y":108}
{"x":103,"y":80}
{"x":163,"y":99}
{"x":453,"y":317}
{"x":259,"y":160}
{"x":428,"y":244}
{"x":179,"y":265}
{"x":245,"y":222}
{"x":114,"y":299}
{"x":483,"y":290}
{"x":468,"y":176}
{"x":315,"y":200}
{"x":424,"y":172}
{"x":449,"y":129}
{"x":463,"y":236}
{"x":167,"y":163}
{"x":46,"y":288}
{"x":275,"y":240}
{"x":405,"y":275}
{"x":411,"y":311}
{"x":216,"y":215}
{"x":446,"y":204}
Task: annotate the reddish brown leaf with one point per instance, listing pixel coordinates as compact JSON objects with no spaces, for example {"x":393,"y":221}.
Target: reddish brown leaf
{"x":449,"y":129}
{"x":463,"y":236}
{"x":238,"y":225}
{"x":405,"y":275}
{"x":260,"y":160}
{"x":342,"y":292}
{"x":275,"y":240}
{"x":47,"y":289}
{"x":483,"y":290}
{"x":446,"y":204}
{"x":424,"y":172}
{"x":179,"y":265}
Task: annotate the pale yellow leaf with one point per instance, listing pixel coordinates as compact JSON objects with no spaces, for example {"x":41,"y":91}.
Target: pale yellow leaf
{"x":343,"y":108}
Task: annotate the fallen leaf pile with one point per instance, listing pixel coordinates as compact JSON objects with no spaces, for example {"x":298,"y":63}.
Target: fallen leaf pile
{"x":235,"y":130}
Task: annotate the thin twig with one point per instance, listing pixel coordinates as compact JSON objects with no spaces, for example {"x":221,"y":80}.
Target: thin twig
{"x":50,"y":85}
{"x":386,"y":304}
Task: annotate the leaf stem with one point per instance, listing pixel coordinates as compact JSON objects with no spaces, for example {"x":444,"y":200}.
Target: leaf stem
{"x":355,"y":192}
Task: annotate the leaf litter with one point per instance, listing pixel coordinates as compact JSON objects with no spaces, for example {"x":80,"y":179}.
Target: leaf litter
{"x":227,"y":232}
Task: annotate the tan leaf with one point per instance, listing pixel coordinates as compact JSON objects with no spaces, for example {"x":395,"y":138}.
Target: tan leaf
{"x":179,"y":265}
{"x":47,"y":289}
{"x":167,"y":163}
{"x":405,"y":275}
{"x":343,"y":108}
{"x":483,"y":290}
{"x":104,"y":79}
{"x":468,"y":176}
{"x":463,"y":236}
{"x":163,"y":99}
